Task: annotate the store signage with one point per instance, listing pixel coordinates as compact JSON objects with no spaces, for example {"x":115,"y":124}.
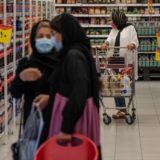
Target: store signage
{"x":5,"y":34}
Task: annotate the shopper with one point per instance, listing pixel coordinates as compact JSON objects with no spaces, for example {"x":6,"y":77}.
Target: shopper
{"x":121,"y":35}
{"x":33,"y":72}
{"x":75,"y":92}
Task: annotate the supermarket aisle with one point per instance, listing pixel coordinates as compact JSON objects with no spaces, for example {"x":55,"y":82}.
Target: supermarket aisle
{"x":140,"y":141}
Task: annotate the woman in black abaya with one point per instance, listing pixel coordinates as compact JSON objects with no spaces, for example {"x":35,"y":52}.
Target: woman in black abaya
{"x":33,"y":72}
{"x":74,"y":100}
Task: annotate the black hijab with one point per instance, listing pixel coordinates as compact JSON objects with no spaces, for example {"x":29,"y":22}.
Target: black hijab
{"x":120,"y":20}
{"x":46,"y":60}
{"x":74,"y":37}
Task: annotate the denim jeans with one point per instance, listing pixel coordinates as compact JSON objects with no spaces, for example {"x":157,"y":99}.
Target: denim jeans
{"x":120,"y":101}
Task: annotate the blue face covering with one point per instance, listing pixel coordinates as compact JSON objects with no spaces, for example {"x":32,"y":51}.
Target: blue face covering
{"x":57,"y":45}
{"x":44,"y":45}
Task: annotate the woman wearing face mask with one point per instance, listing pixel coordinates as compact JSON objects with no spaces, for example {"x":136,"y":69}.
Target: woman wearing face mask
{"x":74,"y":99}
{"x":33,"y":72}
{"x":121,"y":35}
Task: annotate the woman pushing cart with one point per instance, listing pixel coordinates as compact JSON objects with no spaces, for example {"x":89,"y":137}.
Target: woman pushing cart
{"x":122,"y":39}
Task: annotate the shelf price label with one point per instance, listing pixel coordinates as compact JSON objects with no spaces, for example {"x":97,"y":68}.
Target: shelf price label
{"x":157,"y":56}
{"x":5,"y":34}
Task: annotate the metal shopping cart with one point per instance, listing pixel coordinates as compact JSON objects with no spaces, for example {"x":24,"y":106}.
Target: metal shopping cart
{"x":118,"y":77}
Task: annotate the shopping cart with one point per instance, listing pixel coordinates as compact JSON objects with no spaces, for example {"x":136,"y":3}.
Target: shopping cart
{"x":80,"y":148}
{"x":118,"y":77}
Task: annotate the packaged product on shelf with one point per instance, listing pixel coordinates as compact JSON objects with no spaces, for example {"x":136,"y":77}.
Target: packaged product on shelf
{"x":93,"y":21}
{"x":113,"y":1}
{"x":128,"y":1}
{"x":18,"y":24}
{"x":102,"y":21}
{"x":68,"y":10}
{"x":71,"y":1}
{"x":139,"y":61}
{"x":91,"y":10}
{"x":103,"y":10}
{"x":59,"y":1}
{"x":84,"y":1}
{"x":78,"y":1}
{"x":123,"y":1}
{"x":134,"y":1}
{"x":97,"y":10}
{"x":147,"y":61}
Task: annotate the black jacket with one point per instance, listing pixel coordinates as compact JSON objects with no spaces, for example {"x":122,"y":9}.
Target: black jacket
{"x":30,"y":89}
{"x":45,"y":63}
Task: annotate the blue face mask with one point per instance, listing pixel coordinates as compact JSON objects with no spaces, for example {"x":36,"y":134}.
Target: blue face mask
{"x":44,"y":45}
{"x":57,"y":45}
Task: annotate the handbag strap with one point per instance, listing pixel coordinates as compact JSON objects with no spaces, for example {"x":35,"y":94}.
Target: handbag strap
{"x":21,"y":118}
{"x":21,"y":124}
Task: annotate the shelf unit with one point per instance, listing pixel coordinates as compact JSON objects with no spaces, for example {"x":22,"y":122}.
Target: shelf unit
{"x":94,"y":16}
{"x":21,"y":15}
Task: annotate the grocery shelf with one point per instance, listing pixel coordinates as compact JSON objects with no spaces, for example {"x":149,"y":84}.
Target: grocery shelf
{"x":97,"y":36}
{"x":108,"y":15}
{"x":104,"y":5}
{"x":150,"y":52}
{"x":95,"y":26}
{"x":91,"y":15}
{"x":147,"y":36}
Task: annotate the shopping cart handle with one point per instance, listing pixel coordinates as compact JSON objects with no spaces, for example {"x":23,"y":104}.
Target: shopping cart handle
{"x":123,"y":47}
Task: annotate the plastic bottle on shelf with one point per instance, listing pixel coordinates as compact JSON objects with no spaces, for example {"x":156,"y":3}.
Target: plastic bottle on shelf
{"x":141,"y":45}
{"x":143,"y":61}
{"x":147,"y":61}
{"x":140,"y":61}
{"x":145,"y":45}
{"x":150,"y":60}
{"x":152,"y":46}
{"x":155,"y":62}
{"x":18,"y":24}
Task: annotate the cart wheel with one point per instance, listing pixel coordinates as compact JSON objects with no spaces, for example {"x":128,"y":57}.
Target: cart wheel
{"x":129,"y":119}
{"x":133,"y":115}
{"x":106,"y":119}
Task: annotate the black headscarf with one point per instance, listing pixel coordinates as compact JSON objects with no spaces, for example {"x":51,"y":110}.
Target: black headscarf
{"x":46,"y":60}
{"x":74,"y":37}
{"x":120,"y":20}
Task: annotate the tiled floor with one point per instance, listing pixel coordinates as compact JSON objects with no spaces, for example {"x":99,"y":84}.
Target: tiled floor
{"x":120,"y":141}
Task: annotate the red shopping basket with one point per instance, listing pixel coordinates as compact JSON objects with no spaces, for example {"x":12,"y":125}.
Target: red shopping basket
{"x":81,"y":148}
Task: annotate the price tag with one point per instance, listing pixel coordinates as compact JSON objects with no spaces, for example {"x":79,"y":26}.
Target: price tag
{"x":5,"y":34}
{"x":158,"y":56}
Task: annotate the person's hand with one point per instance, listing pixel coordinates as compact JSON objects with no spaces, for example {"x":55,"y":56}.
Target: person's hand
{"x":105,"y":46}
{"x":64,"y":137}
{"x":41,"y":101}
{"x":131,"y":46}
{"x":30,"y":74}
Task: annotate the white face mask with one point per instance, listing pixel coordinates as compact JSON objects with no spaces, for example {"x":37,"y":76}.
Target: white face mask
{"x":57,"y":45}
{"x":44,"y":45}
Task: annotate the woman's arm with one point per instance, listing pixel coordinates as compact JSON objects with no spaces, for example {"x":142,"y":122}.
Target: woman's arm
{"x":108,"y":42}
{"x":134,"y":43}
{"x":25,"y":79}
